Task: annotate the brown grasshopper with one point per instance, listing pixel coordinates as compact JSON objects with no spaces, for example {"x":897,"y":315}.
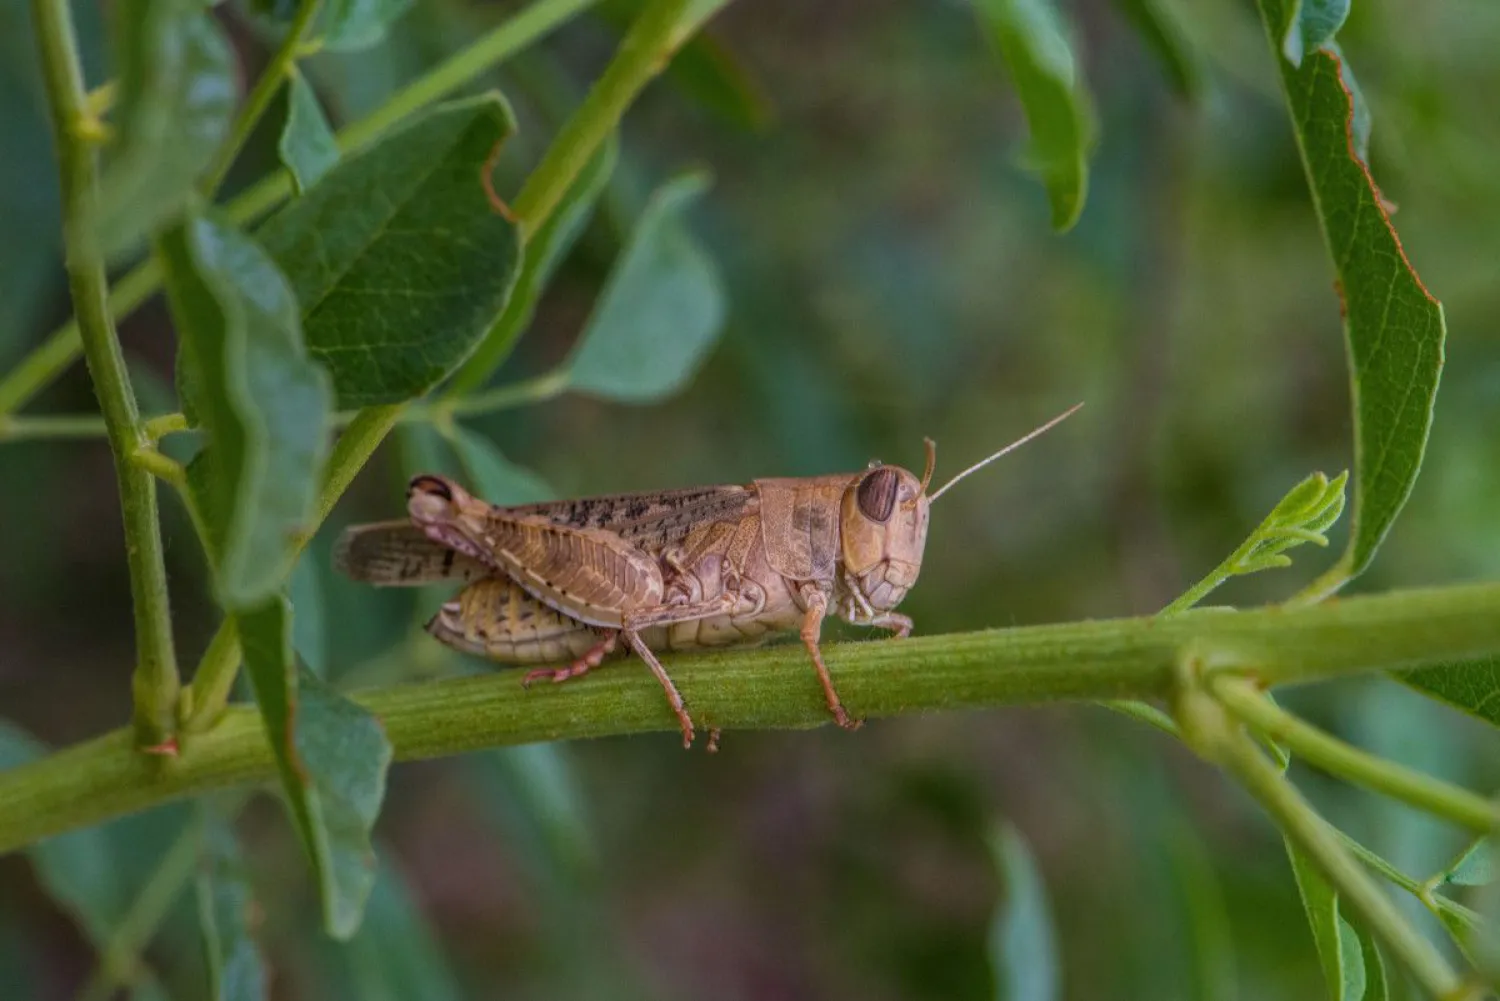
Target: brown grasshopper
{"x":686,"y":569}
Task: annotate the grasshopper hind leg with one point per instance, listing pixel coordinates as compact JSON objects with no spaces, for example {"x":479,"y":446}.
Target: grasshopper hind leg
{"x":583,"y":665}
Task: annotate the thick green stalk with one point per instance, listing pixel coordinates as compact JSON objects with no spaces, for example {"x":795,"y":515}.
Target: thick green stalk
{"x":1332,"y":755}
{"x":155,"y":683}
{"x":38,"y":369}
{"x":776,"y":688}
{"x":1320,"y":841}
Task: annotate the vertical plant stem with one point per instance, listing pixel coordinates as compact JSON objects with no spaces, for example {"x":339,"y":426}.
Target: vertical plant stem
{"x":155,"y":684}
{"x":644,"y":52}
{"x":259,"y":99}
{"x":1315,"y":836}
{"x":1244,"y":701}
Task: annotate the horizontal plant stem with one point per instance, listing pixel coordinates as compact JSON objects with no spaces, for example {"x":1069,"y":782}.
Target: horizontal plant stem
{"x":52,"y":427}
{"x":1317,"y":838}
{"x":1332,"y":755}
{"x":776,"y":688}
{"x":520,"y":394}
{"x":46,"y":362}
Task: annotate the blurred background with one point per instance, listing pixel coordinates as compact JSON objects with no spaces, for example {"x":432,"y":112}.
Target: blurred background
{"x":891,"y":274}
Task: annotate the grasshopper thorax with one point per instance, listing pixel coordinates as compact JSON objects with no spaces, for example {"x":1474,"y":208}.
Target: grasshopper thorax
{"x":883,"y":531}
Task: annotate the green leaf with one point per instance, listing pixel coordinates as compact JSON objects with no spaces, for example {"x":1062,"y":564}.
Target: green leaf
{"x":226,"y":903}
{"x":1310,"y":25}
{"x":1339,"y":949}
{"x":1472,"y":686}
{"x":1163,"y":34}
{"x":307,"y":145}
{"x":1023,"y":952}
{"x":263,"y":403}
{"x":1474,"y":866}
{"x":349,"y":25}
{"x":397,"y":257}
{"x":1377,"y":983}
{"x":1393,"y":327}
{"x":660,"y":311}
{"x":1034,"y":45}
{"x":309,"y":630}
{"x":177,"y":96}
{"x":546,"y":249}
{"x":395,"y":955}
{"x":492,"y":475}
{"x":332,"y":757}
{"x":712,"y":75}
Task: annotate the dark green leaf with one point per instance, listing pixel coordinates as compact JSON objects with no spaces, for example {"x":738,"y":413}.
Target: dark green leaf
{"x":710,"y":73}
{"x":1393,"y":326}
{"x":177,"y":96}
{"x":332,"y":757}
{"x":1339,"y":950}
{"x":307,"y":145}
{"x":545,"y":250}
{"x":309,"y":632}
{"x":226,"y":904}
{"x":263,"y":403}
{"x":1023,"y":952}
{"x":1377,"y":984}
{"x":395,"y":955}
{"x":347,"y":25}
{"x":1473,"y":686}
{"x":1310,"y":25}
{"x":492,"y":475}
{"x":659,"y":312}
{"x":398,"y":258}
{"x":1159,"y":29}
{"x":1034,"y":44}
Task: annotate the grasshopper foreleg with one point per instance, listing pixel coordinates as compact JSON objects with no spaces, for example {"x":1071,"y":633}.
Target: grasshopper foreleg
{"x":812,"y":630}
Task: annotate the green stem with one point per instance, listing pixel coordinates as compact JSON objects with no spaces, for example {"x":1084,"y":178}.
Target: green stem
{"x":1332,"y":755}
{"x":52,"y":426}
{"x":271,"y":78}
{"x":1320,"y":841}
{"x":644,"y":52}
{"x":166,"y":469}
{"x":520,"y":394}
{"x":775,"y":688}
{"x":38,"y":369}
{"x":1143,"y":712}
{"x":1438,"y":904}
{"x":155,"y":683}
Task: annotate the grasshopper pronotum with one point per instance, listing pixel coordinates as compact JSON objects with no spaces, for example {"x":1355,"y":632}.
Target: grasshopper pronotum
{"x":567,"y":581}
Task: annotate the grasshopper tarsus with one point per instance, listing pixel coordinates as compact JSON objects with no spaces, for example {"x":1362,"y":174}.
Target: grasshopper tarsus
{"x":713,"y":740}
{"x":674,"y":697}
{"x":583,"y":665}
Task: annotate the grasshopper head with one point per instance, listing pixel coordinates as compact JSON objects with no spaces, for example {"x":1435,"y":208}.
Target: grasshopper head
{"x":449,"y":515}
{"x":883,"y":530}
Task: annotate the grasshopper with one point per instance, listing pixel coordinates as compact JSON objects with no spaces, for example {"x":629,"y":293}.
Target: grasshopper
{"x":569,"y":581}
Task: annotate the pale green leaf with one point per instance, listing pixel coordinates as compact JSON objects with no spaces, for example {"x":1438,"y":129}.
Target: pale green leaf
{"x":1023,"y":950}
{"x":226,"y":905}
{"x":307,"y":145}
{"x":1339,"y":950}
{"x":494,"y":477}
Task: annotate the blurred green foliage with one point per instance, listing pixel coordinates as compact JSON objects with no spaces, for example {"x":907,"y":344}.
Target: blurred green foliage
{"x":889,"y":271}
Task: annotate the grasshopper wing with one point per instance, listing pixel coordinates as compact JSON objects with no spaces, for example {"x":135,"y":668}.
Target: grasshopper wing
{"x":398,"y":554}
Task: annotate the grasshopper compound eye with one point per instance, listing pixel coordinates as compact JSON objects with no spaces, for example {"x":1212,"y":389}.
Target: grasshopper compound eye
{"x":430,"y":498}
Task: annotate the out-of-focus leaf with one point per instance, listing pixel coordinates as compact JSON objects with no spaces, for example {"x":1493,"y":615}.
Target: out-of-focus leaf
{"x":1339,"y":950}
{"x":28,"y":192}
{"x":1310,"y":25}
{"x":307,"y":145}
{"x":660,"y":311}
{"x":1484,"y":939}
{"x":348,"y":25}
{"x":1377,"y":984}
{"x":1475,"y":866}
{"x":309,"y":631}
{"x":1159,"y":28}
{"x":263,"y":403}
{"x":332,"y":757}
{"x":1034,"y":44}
{"x":545,"y":250}
{"x":1211,"y":942}
{"x":1023,"y":951}
{"x":226,"y":904}
{"x":1473,"y":686}
{"x":1393,"y":327}
{"x":395,"y":955}
{"x":709,"y":72}
{"x":177,"y":95}
{"x":492,"y":475}
{"x":534,"y":791}
{"x":397,"y":257}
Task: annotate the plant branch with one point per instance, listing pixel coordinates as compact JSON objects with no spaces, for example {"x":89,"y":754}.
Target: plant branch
{"x":271,"y":79}
{"x":1320,"y":841}
{"x":48,"y":360}
{"x":776,"y":688}
{"x":1332,"y":755}
{"x":1439,"y":905}
{"x":155,"y":683}
{"x":53,"y":427}
{"x":520,"y":394}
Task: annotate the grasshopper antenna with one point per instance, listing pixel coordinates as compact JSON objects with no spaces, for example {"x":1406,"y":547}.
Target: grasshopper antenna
{"x":1007,"y":449}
